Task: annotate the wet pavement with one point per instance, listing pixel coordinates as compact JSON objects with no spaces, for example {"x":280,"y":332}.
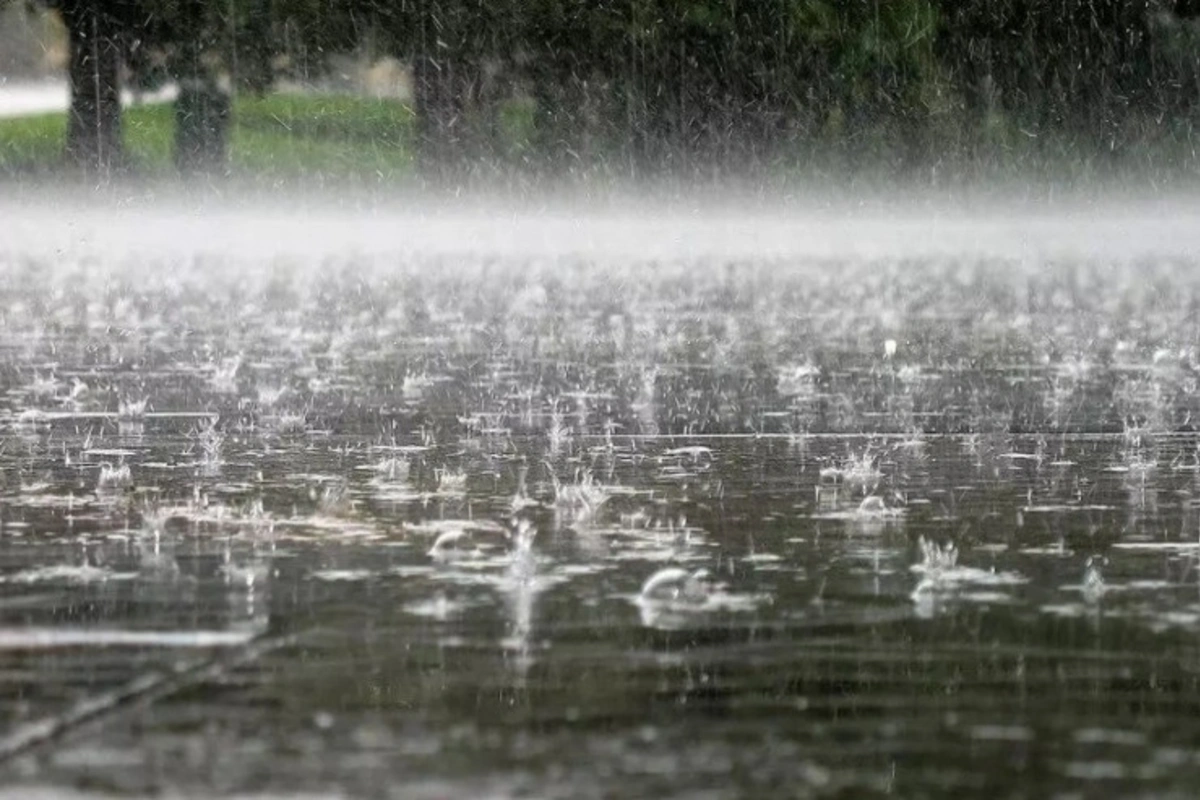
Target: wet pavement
{"x":543,"y":521}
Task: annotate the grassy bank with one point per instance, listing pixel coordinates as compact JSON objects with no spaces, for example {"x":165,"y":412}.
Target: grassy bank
{"x":273,"y":138}
{"x":319,"y":141}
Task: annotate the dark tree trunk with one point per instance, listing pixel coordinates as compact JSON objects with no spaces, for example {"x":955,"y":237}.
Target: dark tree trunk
{"x":94,"y":125}
{"x":202,"y":110}
{"x":255,"y":73}
{"x":439,"y":110}
{"x":202,"y":114}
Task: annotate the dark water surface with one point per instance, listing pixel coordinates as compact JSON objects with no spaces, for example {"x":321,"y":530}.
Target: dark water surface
{"x":396,"y":523}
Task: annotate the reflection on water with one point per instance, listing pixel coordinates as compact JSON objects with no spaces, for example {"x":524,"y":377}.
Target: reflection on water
{"x":526,"y":526}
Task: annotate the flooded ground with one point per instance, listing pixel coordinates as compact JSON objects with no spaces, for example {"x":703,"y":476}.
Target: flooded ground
{"x":527,"y":506}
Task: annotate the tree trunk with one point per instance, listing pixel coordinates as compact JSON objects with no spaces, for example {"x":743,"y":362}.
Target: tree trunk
{"x":439,"y":111}
{"x":202,"y":110}
{"x":255,"y":73}
{"x":202,"y":115}
{"x":94,"y":124}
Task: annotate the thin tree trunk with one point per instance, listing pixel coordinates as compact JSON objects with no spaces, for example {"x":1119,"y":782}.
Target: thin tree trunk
{"x":94,"y":125}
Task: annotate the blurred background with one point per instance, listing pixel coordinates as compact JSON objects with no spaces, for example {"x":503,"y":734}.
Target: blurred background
{"x":926,"y":91}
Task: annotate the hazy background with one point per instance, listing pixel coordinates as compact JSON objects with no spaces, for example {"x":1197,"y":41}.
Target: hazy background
{"x":521,"y":92}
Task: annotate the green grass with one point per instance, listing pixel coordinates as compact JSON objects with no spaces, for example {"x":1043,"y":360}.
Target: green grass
{"x":32,"y":143}
{"x":272,"y":138}
{"x":332,"y":139}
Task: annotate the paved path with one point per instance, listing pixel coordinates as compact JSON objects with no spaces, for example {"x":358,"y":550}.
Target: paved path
{"x":25,"y":98}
